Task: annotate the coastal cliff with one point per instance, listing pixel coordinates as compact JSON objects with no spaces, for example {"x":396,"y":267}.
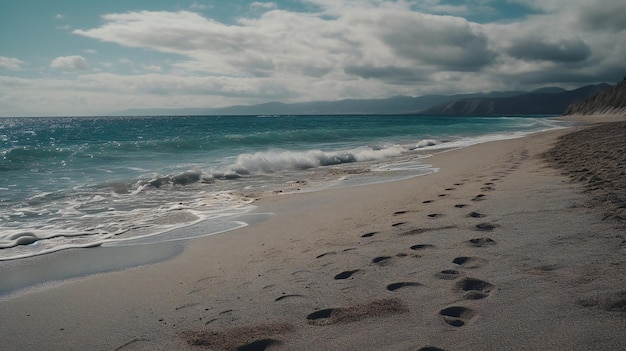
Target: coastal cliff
{"x":534,"y":103}
{"x":611,"y":101}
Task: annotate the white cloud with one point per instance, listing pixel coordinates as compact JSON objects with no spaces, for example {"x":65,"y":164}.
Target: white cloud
{"x":90,"y":51}
{"x":70,"y":63}
{"x":299,"y":44}
{"x":153,"y":68}
{"x":10,"y":63}
{"x":59,"y":16}
{"x":198,"y":6}
{"x":347,"y":49}
{"x":264,"y":5}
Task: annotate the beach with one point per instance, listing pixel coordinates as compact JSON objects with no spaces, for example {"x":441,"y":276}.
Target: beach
{"x":501,"y":249}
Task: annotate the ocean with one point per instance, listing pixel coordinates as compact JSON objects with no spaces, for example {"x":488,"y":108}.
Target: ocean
{"x":123,"y":181}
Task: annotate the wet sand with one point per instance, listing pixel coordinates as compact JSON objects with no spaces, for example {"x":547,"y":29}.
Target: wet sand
{"x":499,"y":250}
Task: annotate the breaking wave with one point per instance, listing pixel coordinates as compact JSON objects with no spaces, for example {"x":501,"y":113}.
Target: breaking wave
{"x":275,"y":161}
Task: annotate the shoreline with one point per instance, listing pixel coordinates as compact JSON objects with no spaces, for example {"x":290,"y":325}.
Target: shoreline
{"x":421,"y":262}
{"x":16,"y":282}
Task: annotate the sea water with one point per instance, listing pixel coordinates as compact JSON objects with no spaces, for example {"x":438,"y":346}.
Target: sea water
{"x":105,"y":181}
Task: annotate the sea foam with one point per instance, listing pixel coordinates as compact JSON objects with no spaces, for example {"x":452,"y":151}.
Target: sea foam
{"x":275,"y":161}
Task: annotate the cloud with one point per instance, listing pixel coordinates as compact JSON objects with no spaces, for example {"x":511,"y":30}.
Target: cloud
{"x":282,"y":42}
{"x":10,"y":63}
{"x":339,"y":49}
{"x":446,"y":43}
{"x":264,"y":5}
{"x":59,"y":16}
{"x":606,"y":17}
{"x":389,"y":74}
{"x":198,"y":6}
{"x":70,"y":63}
{"x":153,"y":68}
{"x":560,"y":50}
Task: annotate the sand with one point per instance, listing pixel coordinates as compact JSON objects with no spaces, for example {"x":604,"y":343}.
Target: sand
{"x":499,"y":250}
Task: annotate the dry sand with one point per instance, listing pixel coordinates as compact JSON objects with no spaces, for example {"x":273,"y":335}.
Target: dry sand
{"x":497,"y":251}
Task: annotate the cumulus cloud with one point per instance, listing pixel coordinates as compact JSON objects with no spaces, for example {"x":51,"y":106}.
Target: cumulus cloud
{"x":70,"y":63}
{"x":10,"y":63}
{"x":446,"y":43}
{"x":346,"y":49}
{"x":282,"y":42}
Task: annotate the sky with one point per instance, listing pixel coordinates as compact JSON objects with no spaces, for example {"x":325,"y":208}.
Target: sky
{"x":77,"y":58}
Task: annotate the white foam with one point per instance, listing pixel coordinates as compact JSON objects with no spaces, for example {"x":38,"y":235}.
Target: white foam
{"x":79,"y":224}
{"x":279,"y":160}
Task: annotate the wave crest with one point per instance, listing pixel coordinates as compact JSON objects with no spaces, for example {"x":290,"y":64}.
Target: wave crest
{"x":275,"y":161}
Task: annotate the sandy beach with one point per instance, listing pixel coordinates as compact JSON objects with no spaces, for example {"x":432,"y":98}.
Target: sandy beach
{"x":505,"y":248}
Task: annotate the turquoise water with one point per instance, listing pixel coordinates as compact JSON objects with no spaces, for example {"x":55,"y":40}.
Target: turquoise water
{"x":81,"y":182}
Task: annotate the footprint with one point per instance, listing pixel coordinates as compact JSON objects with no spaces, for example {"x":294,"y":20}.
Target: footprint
{"x":435,"y":215}
{"x":399,"y":213}
{"x":421,"y":246}
{"x":447,"y":274}
{"x":475,"y":289}
{"x":381,"y":260}
{"x":345,"y":275}
{"x":481,"y":242}
{"x":479,"y":197}
{"x":457,"y":316}
{"x":323,"y":314}
{"x":400,"y":285}
{"x":428,"y":201}
{"x":443,"y":195}
{"x":487,"y":188}
{"x":461,"y":205}
{"x":254,"y":337}
{"x":259,"y":345}
{"x":326,"y":254}
{"x":486,"y":226}
{"x":611,"y":302}
{"x":283,"y":297}
{"x":450,"y":189}
{"x":476,"y":215}
{"x":430,"y":348}
{"x":417,"y":231}
{"x":469,"y":262}
{"x":398,"y":224}
{"x":376,"y":308}
{"x":475,"y":295}
{"x":369,"y":235}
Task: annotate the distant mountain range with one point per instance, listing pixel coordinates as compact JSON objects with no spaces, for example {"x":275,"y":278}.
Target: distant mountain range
{"x":544,"y":101}
{"x":611,"y":101}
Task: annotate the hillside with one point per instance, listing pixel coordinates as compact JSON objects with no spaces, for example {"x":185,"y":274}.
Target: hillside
{"x":392,"y":105}
{"x":546,"y":101}
{"x":534,"y":103}
{"x":611,"y":101}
